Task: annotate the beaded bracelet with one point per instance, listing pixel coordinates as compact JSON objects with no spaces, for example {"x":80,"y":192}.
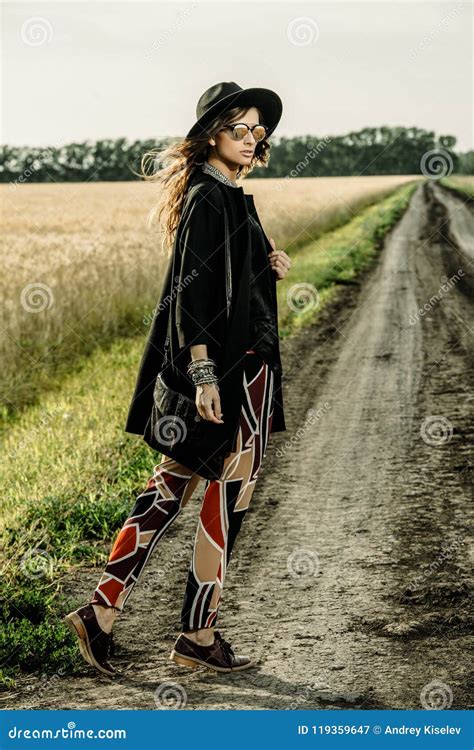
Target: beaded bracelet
{"x":202,"y":371}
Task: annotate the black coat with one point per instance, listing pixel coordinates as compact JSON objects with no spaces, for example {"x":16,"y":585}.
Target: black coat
{"x":193,"y":308}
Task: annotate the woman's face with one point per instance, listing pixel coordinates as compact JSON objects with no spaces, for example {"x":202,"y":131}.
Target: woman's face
{"x":232,"y":152}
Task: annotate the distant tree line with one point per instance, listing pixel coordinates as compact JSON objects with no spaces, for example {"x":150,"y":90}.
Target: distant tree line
{"x":370,"y":151}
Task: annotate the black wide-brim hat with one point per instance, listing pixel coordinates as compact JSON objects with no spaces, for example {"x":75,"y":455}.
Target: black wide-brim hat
{"x":224,"y":96}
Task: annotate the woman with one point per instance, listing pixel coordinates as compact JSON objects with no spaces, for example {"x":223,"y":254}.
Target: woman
{"x":214,"y":338}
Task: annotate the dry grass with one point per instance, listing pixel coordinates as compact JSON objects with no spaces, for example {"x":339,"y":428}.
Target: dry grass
{"x":81,"y":268}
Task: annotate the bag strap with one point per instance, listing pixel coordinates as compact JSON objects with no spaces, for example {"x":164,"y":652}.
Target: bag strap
{"x":228,"y":267}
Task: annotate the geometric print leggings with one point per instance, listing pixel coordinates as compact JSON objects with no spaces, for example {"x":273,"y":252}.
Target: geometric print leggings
{"x":224,"y":505}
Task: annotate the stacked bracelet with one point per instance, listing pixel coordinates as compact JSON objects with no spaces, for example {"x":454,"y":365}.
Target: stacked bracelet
{"x":202,"y":371}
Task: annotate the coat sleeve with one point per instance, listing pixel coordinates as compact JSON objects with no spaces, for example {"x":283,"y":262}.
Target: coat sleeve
{"x":200,"y":241}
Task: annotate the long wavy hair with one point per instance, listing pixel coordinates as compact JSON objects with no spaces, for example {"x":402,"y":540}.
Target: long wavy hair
{"x":173,"y":167}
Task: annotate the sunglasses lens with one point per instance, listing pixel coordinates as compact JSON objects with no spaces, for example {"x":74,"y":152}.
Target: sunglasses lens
{"x":259,"y":133}
{"x":239,"y":132}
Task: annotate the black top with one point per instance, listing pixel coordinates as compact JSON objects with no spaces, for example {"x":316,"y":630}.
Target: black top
{"x":263,"y":336}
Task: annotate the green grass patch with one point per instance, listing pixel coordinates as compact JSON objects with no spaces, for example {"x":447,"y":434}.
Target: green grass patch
{"x":463,"y":187}
{"x":70,"y":476}
{"x":33,"y":636}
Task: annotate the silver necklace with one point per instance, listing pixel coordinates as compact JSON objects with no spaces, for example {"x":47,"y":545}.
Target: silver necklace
{"x":212,"y":170}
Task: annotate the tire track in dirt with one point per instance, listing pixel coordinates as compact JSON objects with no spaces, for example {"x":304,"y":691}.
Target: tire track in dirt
{"x":348,"y":582}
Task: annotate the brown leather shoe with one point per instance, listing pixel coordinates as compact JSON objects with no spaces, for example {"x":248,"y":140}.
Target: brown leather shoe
{"x":95,"y":645}
{"x":218,"y":656}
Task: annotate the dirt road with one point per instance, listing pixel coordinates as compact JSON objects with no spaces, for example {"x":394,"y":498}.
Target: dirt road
{"x":349,"y":579}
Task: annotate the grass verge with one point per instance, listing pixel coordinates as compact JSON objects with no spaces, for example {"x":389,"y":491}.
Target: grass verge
{"x":463,"y":186}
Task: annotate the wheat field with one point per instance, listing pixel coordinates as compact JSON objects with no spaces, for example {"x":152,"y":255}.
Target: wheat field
{"x":81,"y":267}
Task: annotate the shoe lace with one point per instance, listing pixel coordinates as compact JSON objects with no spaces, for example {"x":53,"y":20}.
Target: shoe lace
{"x":225,"y":646}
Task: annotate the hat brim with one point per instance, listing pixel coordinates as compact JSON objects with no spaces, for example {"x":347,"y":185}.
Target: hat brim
{"x":265,"y":99}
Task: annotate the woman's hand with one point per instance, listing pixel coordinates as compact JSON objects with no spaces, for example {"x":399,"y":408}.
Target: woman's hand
{"x":208,"y":402}
{"x":279,"y":261}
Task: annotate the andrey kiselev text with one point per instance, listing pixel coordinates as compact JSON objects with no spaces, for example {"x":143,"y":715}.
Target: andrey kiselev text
{"x":402,"y":729}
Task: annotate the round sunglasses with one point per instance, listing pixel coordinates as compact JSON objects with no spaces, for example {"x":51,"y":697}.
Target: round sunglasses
{"x":239,"y":130}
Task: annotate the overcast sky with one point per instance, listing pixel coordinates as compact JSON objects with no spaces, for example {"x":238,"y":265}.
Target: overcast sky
{"x":74,"y":71}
